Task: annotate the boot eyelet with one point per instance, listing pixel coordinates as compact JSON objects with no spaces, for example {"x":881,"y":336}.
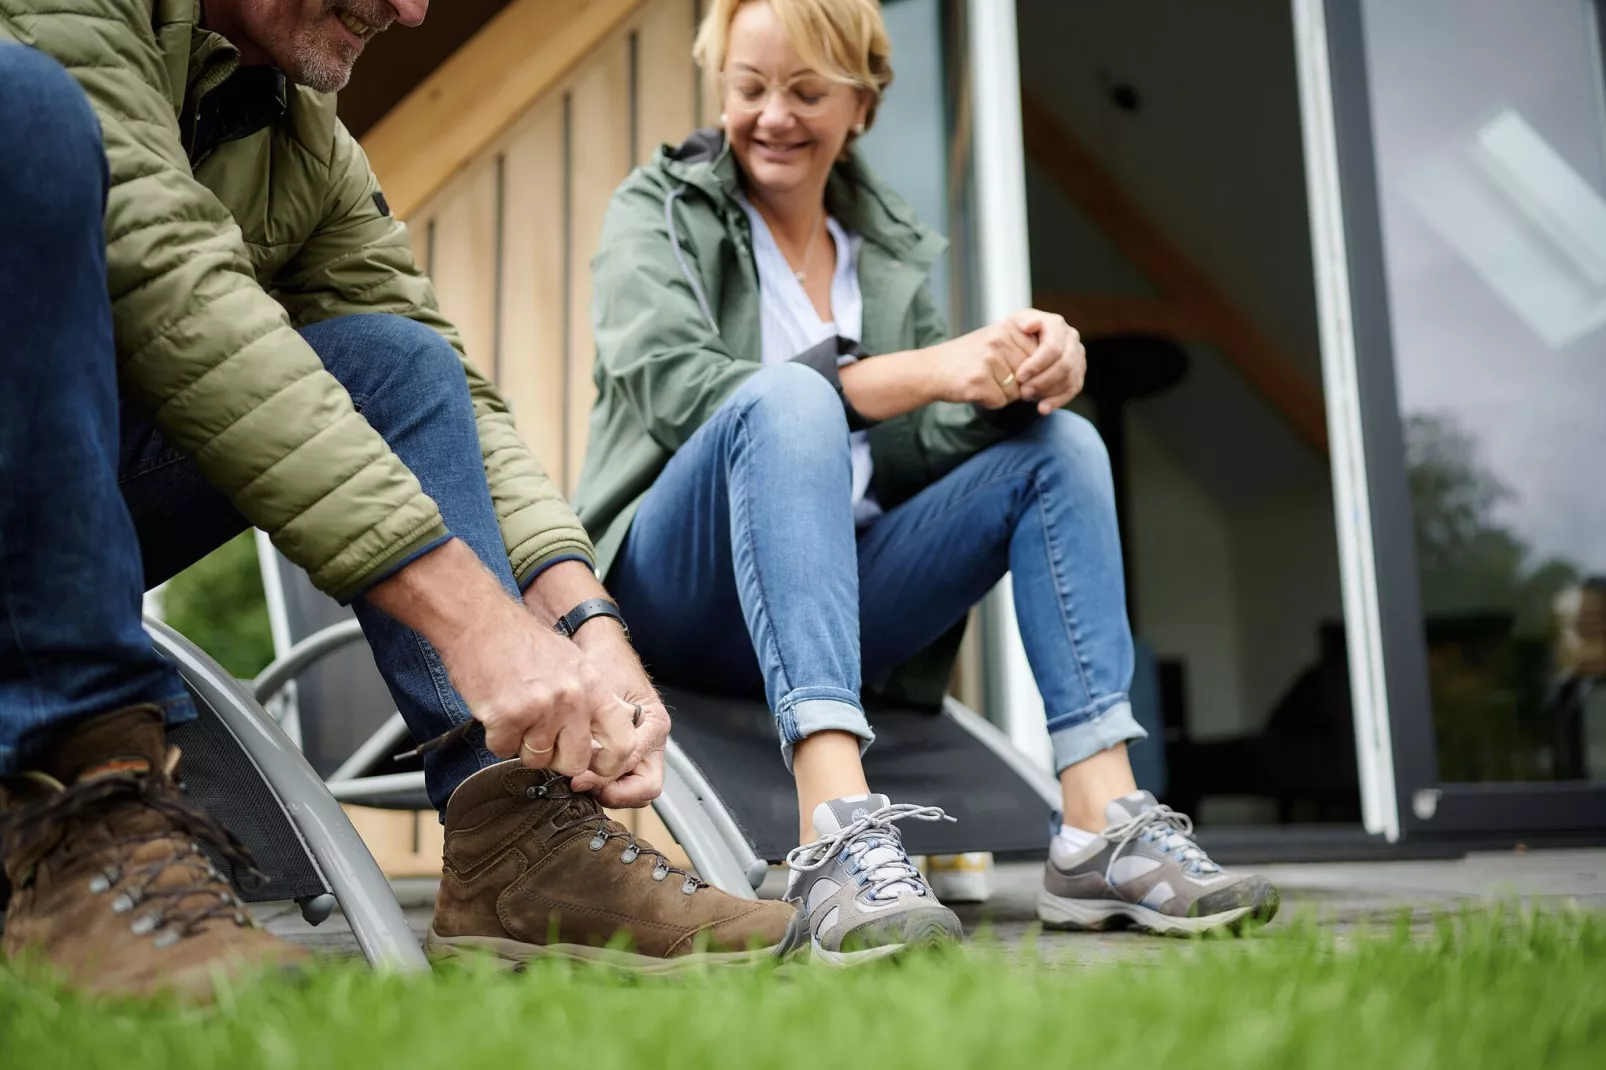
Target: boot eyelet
{"x":597,"y":841}
{"x":145,"y":923}
{"x":125,"y":902}
{"x":629,"y":854}
{"x":103,"y":881}
{"x":167,"y":938}
{"x":689,"y":887}
{"x":535,"y":791}
{"x":660,"y":871}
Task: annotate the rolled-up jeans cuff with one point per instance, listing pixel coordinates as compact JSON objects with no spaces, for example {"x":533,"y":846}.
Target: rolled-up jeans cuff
{"x":807,"y":710}
{"x":1080,"y":735}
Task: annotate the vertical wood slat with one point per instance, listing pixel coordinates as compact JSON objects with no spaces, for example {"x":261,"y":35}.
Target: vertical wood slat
{"x":599,"y":161}
{"x":533,"y":283}
{"x":665,"y":77}
{"x":465,"y":260}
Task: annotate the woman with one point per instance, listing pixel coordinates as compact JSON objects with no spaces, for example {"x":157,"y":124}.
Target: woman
{"x":775,"y":508}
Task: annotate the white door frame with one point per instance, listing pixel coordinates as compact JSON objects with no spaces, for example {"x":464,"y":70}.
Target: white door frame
{"x":1004,"y":253}
{"x":1374,"y":751}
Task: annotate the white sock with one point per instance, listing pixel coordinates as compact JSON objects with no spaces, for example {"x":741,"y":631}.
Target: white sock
{"x":1076,"y":839}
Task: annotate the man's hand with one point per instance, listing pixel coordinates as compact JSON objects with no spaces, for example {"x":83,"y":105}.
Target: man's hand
{"x":643,"y":779}
{"x":1057,"y":368}
{"x":537,"y":696}
{"x":606,"y":650}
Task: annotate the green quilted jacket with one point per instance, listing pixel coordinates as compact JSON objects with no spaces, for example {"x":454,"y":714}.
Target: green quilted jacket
{"x":240,"y":208}
{"x":675,"y":310}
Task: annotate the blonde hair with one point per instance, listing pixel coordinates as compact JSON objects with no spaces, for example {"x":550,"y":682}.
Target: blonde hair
{"x":844,"y":40}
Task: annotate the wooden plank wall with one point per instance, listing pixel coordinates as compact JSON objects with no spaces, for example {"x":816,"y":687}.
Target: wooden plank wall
{"x":508,"y":243}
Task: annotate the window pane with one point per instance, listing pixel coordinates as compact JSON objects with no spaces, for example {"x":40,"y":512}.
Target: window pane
{"x":1491,"y":152}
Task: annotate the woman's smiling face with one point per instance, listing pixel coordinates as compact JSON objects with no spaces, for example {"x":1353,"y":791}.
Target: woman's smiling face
{"x":787,"y":124}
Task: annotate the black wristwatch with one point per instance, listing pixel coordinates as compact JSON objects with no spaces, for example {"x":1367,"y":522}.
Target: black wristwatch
{"x":572,"y":621}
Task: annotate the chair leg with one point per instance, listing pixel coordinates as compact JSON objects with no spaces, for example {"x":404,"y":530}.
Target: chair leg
{"x":988,"y":734}
{"x":365,"y":896}
{"x":689,"y":823}
{"x":713,"y":807}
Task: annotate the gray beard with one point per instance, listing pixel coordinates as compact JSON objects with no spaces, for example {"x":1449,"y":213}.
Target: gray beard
{"x":320,"y":67}
{"x":323,"y":66}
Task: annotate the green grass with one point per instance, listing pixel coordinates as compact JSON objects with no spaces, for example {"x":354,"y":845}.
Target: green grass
{"x":1497,"y":989}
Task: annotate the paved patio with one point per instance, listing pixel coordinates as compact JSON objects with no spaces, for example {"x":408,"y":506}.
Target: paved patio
{"x":1340,"y":895}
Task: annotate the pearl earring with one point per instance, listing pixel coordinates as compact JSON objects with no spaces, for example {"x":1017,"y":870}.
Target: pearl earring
{"x":721,"y":118}
{"x":858,"y":129}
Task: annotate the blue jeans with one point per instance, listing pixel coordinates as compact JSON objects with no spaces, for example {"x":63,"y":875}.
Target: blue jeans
{"x":743,"y":571}
{"x":96,"y":507}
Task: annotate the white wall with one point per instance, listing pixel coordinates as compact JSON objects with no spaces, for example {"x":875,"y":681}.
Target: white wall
{"x":1187,"y":600}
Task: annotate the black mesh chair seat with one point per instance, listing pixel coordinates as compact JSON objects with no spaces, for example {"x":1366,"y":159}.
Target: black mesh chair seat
{"x":221,"y":778}
{"x":920,"y":756}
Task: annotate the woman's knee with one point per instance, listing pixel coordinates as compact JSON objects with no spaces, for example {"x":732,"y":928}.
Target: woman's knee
{"x":1067,"y":437}
{"x":797,"y":399}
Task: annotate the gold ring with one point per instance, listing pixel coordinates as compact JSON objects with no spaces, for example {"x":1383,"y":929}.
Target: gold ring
{"x":526,"y":745}
{"x":1010,"y":378}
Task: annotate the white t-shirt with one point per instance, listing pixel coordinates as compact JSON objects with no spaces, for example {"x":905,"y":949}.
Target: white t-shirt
{"x":788,"y":324}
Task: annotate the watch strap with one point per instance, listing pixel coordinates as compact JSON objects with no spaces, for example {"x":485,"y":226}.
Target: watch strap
{"x":590,"y":609}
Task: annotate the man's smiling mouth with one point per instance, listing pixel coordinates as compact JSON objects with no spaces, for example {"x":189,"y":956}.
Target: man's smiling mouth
{"x":355,"y":25}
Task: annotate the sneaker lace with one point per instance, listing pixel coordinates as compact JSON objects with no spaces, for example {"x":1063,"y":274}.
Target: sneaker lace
{"x":583,"y":812}
{"x":853,"y":842}
{"x":180,"y":908}
{"x":1171,"y":831}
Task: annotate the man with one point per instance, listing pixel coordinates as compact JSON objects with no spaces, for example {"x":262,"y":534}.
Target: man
{"x":209,"y":320}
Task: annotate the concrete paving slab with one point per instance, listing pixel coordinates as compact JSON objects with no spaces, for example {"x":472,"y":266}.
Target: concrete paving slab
{"x":1340,"y":895}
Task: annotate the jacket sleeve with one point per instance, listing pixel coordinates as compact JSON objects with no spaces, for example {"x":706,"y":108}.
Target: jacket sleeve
{"x":359,"y":260}
{"x":655,"y":345}
{"x":943,"y":434}
{"x":201,"y":347}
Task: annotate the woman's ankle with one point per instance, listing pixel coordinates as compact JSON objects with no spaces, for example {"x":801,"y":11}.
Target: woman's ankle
{"x":1089,"y":786}
{"x":826,"y":766}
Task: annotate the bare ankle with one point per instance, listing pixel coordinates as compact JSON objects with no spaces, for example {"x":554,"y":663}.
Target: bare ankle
{"x":1089,"y":786}
{"x":827,"y":767}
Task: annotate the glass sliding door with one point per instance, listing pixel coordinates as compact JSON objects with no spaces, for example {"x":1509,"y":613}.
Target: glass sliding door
{"x":1470,"y":141}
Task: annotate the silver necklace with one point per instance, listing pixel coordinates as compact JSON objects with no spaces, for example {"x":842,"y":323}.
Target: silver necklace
{"x":802,"y":273}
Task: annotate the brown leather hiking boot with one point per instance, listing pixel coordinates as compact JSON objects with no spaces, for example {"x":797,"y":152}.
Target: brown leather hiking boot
{"x":533,"y":869}
{"x":109,"y":884}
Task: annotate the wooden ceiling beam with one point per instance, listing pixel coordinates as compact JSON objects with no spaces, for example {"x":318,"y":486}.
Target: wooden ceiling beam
{"x":481,"y":90}
{"x":1192,"y":299}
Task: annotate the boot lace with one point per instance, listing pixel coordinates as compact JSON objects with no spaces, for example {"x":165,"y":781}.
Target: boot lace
{"x":179,"y":909}
{"x":583,"y":812}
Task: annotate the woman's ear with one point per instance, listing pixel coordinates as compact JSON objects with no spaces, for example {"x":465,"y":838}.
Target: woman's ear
{"x":861,"y":114}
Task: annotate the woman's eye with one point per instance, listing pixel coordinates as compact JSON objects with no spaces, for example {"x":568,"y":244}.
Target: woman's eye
{"x":810,"y":98}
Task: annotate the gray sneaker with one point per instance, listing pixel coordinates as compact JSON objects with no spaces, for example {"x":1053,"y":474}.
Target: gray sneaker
{"x":1145,"y":870}
{"x":860,"y":895}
